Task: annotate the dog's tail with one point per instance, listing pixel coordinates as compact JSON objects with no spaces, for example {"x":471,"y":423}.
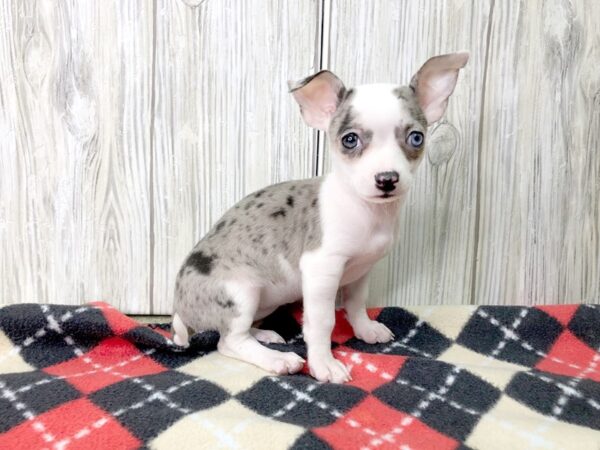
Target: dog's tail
{"x":180,"y":331}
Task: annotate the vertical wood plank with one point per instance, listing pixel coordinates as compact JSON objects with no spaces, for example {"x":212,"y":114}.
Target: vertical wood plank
{"x":539,"y":227}
{"x":387,"y":41}
{"x":224,"y":124}
{"x":75,"y":93}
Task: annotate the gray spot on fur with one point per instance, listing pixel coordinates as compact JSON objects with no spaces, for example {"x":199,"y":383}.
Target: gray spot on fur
{"x":290,"y":201}
{"x":346,"y":122}
{"x":347,"y":95}
{"x":220,"y":226}
{"x":227,"y":303}
{"x":342,"y":122}
{"x":203,"y":263}
{"x":279,"y":213}
{"x":408,"y":97}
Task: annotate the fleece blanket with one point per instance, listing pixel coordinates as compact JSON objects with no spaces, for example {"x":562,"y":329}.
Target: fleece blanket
{"x":489,"y":377}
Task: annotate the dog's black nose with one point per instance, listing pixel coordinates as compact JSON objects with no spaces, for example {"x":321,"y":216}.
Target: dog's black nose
{"x":386,"y":181}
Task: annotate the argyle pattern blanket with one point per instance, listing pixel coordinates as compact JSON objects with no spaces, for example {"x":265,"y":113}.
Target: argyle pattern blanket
{"x":488,"y":377}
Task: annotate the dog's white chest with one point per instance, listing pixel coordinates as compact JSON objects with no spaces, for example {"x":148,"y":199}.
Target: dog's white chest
{"x":371,"y":251}
{"x":378,"y":244}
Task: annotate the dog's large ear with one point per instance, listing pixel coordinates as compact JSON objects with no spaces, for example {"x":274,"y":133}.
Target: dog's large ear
{"x":435,"y":82}
{"x":318,"y":95}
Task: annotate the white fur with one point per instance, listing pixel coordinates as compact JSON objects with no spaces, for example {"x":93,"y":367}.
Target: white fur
{"x":180,"y":333}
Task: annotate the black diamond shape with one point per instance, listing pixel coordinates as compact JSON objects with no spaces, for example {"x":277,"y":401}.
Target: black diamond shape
{"x":420,"y":377}
{"x":585,"y":324}
{"x":89,"y":327}
{"x":537,"y":329}
{"x":38,"y":399}
{"x":542,"y":395}
{"x":316,"y":408}
{"x":21,"y":322}
{"x":308,"y":441}
{"x":155,"y":416}
{"x":50,"y":350}
{"x":427,"y":341}
{"x":144,"y":338}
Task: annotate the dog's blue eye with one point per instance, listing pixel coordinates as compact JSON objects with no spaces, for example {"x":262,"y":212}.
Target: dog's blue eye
{"x":415,"y":139}
{"x":350,"y":141}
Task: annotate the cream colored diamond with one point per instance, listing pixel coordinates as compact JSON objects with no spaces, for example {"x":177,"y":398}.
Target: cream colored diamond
{"x":10,"y":359}
{"x":231,"y":374}
{"x":498,"y":373}
{"x":512,"y":425}
{"x":448,"y":320}
{"x":227,"y":426}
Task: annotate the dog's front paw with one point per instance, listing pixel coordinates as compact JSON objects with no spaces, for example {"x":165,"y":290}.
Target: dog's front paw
{"x":328,"y":369}
{"x":373,"y":332}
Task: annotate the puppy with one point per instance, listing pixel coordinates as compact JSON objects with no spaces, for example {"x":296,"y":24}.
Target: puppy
{"x":308,"y":238}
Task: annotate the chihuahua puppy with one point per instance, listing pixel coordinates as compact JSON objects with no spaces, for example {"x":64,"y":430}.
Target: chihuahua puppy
{"x":308,"y":238}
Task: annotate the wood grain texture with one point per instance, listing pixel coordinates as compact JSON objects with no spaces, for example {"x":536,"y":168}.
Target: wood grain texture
{"x":539,"y":209}
{"x":224,"y":124}
{"x":433,"y":260}
{"x":128,"y":127}
{"x":75,"y":128}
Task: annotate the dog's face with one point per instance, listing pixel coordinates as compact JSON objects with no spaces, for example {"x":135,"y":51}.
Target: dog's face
{"x":377,"y":132}
{"x":377,"y":136}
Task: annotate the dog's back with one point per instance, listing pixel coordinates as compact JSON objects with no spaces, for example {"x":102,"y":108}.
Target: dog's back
{"x":261,"y":238}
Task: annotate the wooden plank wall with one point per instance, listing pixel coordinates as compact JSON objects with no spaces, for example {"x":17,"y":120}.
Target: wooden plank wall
{"x":128,"y":127}
{"x":75,"y":155}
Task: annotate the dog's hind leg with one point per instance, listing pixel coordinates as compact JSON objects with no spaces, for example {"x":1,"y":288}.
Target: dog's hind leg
{"x":237,"y":341}
{"x":266,"y":336}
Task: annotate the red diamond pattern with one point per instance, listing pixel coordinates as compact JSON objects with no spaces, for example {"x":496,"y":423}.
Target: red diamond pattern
{"x":369,"y":370}
{"x":131,"y":385}
{"x":569,"y":356}
{"x":113,"y":361}
{"x":78,"y":424}
{"x":373,"y":425}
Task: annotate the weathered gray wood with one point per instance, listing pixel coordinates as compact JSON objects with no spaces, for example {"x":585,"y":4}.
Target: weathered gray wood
{"x":224,"y":124}
{"x":387,"y":41}
{"x":539,"y":208}
{"x":127,"y":128}
{"x":75,"y":93}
